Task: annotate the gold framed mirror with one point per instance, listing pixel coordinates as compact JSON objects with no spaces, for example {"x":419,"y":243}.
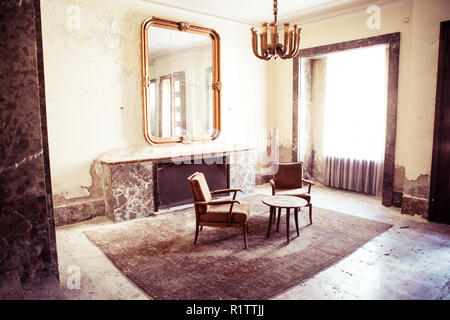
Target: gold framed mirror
{"x":180,"y":82}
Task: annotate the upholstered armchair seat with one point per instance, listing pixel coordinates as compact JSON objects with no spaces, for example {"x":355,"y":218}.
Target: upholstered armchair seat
{"x":219,"y":213}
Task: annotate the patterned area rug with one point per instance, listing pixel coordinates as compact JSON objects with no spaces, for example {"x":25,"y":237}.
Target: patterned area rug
{"x":159,"y":256}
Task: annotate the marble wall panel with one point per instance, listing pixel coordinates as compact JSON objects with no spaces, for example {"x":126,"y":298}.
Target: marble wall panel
{"x":27,"y":230}
{"x":129,"y":191}
{"x":415,"y":206}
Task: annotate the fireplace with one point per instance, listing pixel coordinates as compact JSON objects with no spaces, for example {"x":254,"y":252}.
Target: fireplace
{"x":172,"y":188}
{"x":137,"y":183}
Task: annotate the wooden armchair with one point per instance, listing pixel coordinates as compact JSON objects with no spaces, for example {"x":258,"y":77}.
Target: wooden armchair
{"x":288,"y":177}
{"x":217,"y":213}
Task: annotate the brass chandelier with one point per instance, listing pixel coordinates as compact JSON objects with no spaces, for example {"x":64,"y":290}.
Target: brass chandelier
{"x":286,"y":50}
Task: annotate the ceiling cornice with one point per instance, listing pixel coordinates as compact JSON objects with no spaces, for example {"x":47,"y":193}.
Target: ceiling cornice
{"x":148,"y":4}
{"x":306,"y":18}
{"x":359,"y":10}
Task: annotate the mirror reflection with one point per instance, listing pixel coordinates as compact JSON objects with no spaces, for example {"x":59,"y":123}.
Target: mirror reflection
{"x":180,"y":93}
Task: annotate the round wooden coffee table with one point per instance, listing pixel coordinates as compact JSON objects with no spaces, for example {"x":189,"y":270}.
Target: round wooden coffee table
{"x":284,"y":202}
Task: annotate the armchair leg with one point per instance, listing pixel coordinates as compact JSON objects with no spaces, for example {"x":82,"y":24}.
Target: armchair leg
{"x":310,"y":213}
{"x":244,"y":232}
{"x":196,"y":233}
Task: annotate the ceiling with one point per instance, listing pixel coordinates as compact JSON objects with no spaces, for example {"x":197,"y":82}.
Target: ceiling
{"x":255,"y":12}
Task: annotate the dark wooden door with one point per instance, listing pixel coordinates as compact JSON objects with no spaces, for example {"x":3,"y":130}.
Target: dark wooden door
{"x":440,"y":171}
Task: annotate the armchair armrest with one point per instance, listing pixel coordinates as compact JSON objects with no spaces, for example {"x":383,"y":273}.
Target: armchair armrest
{"x":309,"y":183}
{"x":272,"y":183}
{"x":225,"y":191}
{"x":216,"y":202}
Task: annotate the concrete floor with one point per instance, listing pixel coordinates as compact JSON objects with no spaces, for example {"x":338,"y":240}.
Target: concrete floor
{"x":409,"y":261}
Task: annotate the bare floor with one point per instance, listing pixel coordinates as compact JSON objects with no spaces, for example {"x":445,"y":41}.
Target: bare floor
{"x":409,"y":261}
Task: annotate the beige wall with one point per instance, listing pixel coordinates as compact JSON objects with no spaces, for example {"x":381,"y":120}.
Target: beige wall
{"x":93,"y":86}
{"x":346,"y":29}
{"x":426,"y":19}
{"x":418,"y":22}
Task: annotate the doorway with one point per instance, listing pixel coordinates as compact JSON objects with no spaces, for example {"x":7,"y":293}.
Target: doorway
{"x":440,"y":169}
{"x":354,"y":119}
{"x":392,"y":42}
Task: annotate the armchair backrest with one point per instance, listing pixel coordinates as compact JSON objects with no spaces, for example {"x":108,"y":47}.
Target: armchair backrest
{"x":289,"y":176}
{"x":200,"y":189}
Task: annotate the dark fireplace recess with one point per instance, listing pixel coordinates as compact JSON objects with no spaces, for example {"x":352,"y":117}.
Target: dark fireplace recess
{"x":172,"y":188}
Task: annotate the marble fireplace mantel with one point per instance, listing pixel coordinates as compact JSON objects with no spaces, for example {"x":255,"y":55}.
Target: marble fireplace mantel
{"x":129,"y":176}
{"x":168,"y":152}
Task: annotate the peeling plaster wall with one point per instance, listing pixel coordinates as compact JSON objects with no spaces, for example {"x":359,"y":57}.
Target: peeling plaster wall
{"x":347,"y":28}
{"x":318,"y":94}
{"x":305,"y":116}
{"x":93,"y":87}
{"x":427,"y":16}
{"x":418,"y":21}
{"x":426,"y":19}
{"x":312,"y":95}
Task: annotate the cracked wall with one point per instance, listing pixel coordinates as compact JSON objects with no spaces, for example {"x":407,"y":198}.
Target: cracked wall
{"x":416,"y":196}
{"x":418,"y":21}
{"x":94,"y":93}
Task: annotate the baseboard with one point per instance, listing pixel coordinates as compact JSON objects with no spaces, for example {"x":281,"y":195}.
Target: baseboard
{"x":78,"y":212}
{"x":397,"y":199}
{"x":415,"y":206}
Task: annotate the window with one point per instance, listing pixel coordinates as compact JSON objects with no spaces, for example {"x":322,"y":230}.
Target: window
{"x":355,"y":104}
{"x":168,"y":105}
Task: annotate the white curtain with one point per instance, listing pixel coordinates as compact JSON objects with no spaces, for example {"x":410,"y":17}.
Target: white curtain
{"x":355,"y":119}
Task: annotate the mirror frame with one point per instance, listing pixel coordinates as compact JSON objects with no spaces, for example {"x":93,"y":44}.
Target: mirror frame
{"x":216,"y":86}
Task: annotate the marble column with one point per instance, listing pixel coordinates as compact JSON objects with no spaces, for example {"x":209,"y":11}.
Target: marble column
{"x":27,"y":233}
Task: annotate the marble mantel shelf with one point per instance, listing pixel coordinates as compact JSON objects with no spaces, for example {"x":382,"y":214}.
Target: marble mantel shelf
{"x":161,"y":153}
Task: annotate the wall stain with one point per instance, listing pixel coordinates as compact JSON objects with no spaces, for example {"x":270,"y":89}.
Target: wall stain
{"x":419,"y":188}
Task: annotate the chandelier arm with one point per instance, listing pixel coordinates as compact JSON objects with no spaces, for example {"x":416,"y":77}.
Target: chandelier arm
{"x":255,"y":46}
{"x":297,"y":41}
{"x":296,"y":47}
{"x":255,"y":42}
{"x":291,"y":42}
{"x":273,"y":36}
{"x":286,"y":38}
{"x":264,"y":40}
